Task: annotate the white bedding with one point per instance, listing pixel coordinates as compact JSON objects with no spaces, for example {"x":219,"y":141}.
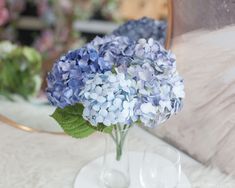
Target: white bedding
{"x":38,"y":160}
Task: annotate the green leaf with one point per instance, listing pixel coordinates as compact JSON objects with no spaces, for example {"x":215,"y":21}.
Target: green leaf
{"x":105,"y":129}
{"x":71,"y":120}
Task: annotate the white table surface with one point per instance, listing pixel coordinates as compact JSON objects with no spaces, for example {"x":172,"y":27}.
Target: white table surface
{"x":27,"y":112}
{"x":40,"y":160}
{"x":89,"y":175}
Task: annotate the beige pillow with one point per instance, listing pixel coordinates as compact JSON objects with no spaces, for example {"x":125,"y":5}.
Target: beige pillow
{"x":205,"y":128}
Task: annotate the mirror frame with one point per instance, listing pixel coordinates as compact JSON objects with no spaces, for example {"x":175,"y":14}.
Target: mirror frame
{"x":14,"y":124}
{"x":169,"y":24}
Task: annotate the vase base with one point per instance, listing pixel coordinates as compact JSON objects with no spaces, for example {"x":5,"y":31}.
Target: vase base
{"x":114,"y":179}
{"x":89,"y":175}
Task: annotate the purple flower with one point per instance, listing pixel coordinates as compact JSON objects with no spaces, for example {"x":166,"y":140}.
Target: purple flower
{"x":69,"y":73}
{"x":66,"y":79}
{"x":143,"y":28}
{"x":116,"y":50}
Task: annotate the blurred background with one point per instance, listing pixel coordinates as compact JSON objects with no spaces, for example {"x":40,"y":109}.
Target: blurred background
{"x":54,"y":26}
{"x":35,"y":33}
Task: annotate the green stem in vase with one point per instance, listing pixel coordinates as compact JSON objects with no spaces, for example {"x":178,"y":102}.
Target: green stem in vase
{"x":119,"y":137}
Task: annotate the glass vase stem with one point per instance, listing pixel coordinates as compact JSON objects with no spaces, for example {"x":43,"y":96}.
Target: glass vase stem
{"x":115,"y":173}
{"x":119,"y":139}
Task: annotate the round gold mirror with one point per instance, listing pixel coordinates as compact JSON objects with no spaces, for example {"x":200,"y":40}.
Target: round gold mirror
{"x":33,"y":114}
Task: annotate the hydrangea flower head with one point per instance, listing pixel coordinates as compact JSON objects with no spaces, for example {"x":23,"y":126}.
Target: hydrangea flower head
{"x":160,"y":88}
{"x":118,"y":81}
{"x":66,"y":79}
{"x":109,"y":99}
{"x":143,"y":28}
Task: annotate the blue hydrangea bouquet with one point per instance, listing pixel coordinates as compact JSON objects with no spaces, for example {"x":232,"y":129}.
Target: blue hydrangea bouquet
{"x":112,"y":84}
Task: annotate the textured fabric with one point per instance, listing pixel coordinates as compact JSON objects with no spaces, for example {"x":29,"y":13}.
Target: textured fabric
{"x":36,"y":160}
{"x":198,"y":14}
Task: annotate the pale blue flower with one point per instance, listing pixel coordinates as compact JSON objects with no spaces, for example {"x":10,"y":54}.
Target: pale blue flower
{"x":160,"y":88}
{"x":113,"y":105}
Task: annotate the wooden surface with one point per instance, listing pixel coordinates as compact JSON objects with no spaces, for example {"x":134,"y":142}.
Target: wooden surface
{"x":135,"y":9}
{"x":205,"y":128}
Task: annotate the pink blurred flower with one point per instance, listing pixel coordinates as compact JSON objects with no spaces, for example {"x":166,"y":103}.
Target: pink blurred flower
{"x":45,"y":42}
{"x":2,"y":4}
{"x":4,"y":13}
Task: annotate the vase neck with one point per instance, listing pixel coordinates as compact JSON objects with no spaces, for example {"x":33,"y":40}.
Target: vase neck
{"x":119,"y":138}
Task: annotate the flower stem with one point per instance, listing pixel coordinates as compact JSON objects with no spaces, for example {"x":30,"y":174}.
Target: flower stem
{"x":119,"y":139}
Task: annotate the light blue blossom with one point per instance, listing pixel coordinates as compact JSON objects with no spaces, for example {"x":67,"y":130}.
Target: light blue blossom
{"x":160,"y":88}
{"x":115,"y":102}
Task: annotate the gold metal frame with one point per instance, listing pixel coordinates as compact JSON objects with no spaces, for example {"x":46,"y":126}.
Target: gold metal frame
{"x":14,"y":124}
{"x":169,"y":24}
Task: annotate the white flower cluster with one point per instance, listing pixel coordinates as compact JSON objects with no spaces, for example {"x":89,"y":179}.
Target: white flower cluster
{"x":109,"y":99}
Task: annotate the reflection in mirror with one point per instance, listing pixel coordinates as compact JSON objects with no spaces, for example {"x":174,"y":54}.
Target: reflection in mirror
{"x":49,"y":30}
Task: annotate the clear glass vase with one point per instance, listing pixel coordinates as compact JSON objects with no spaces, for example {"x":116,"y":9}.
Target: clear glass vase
{"x":115,"y":172}
{"x":161,"y":167}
